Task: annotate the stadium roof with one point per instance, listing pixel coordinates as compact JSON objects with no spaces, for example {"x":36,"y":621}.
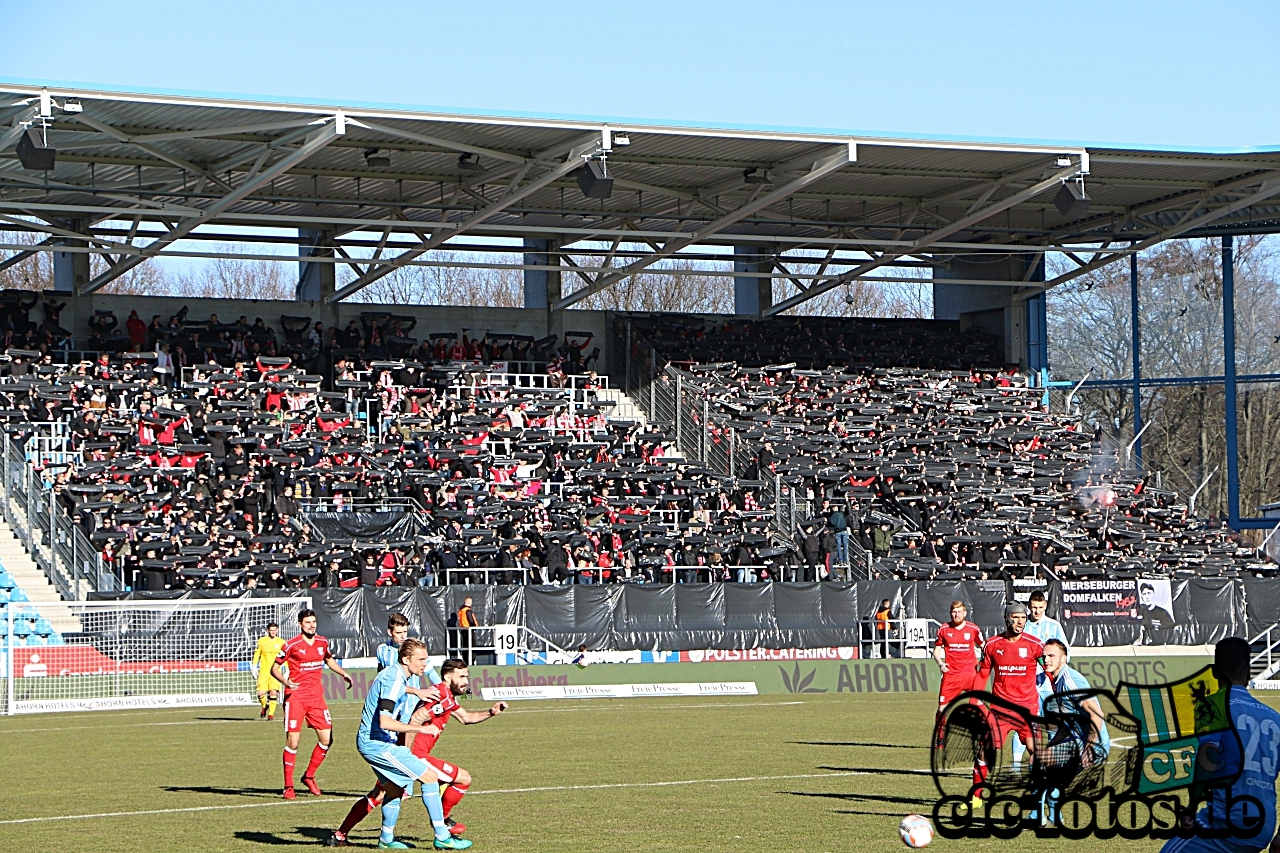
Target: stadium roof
{"x":139,"y":172}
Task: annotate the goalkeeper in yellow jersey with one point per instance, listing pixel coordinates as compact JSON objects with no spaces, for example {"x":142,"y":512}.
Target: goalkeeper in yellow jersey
{"x":263,"y":657}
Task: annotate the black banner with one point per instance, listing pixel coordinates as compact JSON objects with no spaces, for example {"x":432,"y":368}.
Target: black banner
{"x":1192,"y":611}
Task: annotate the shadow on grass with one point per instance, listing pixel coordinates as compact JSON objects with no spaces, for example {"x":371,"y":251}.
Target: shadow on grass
{"x":856,"y":743}
{"x":876,"y":798}
{"x":885,"y":771}
{"x":307,"y":835}
{"x":261,"y":793}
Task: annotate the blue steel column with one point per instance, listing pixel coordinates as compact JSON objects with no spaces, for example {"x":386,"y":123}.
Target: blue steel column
{"x":1137,"y":356}
{"x":1229,"y":379}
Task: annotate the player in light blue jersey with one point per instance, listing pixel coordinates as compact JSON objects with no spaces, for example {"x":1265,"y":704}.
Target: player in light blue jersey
{"x":1057,"y":677}
{"x":388,"y":654}
{"x":1259,"y":728}
{"x":1043,"y":628}
{"x":389,"y":701}
{"x":1082,"y":740}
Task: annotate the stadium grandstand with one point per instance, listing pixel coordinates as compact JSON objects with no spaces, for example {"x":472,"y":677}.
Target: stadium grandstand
{"x":166,"y":445}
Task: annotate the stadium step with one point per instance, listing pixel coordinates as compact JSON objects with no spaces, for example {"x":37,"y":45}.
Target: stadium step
{"x":626,"y":408}
{"x":32,"y":580}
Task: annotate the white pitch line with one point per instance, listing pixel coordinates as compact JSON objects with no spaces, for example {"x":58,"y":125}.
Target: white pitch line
{"x":724,"y":781}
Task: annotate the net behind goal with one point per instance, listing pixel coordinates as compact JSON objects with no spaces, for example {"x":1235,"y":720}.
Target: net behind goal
{"x":99,"y":655}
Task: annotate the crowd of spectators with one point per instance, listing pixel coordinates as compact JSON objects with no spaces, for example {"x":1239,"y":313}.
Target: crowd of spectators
{"x":934,"y":471}
{"x":272,"y":465}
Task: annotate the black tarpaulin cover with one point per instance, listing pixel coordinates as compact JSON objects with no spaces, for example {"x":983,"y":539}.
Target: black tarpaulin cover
{"x":338,"y":527}
{"x":744,"y":616}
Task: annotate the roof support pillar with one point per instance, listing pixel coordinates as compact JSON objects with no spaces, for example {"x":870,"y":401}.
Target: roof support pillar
{"x":71,"y":269}
{"x":752,"y":295}
{"x":1229,"y":380}
{"x":316,"y":280}
{"x":541,"y":287}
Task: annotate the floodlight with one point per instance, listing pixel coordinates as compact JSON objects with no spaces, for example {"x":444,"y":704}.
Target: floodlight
{"x":34,"y":151}
{"x":621,"y":139}
{"x":376,"y":158}
{"x":1072,"y":201}
{"x":467,"y":164}
{"x":755,"y":176}
{"x":594,"y":179}
{"x":72,"y":105}
{"x":1063,"y":161}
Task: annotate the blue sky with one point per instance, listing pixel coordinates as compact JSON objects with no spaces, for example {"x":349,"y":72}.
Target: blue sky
{"x":1151,"y":74}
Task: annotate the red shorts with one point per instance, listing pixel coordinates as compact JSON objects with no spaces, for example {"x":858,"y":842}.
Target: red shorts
{"x":1005,"y":722}
{"x":953,"y":686}
{"x":445,"y":771}
{"x":311,"y":711}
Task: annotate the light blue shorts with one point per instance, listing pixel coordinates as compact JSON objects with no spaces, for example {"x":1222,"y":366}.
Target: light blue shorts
{"x":394,"y":764}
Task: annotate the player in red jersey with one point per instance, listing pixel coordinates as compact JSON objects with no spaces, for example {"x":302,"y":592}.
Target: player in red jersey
{"x":306,"y":656}
{"x":455,"y":681}
{"x":956,"y":653}
{"x":1013,"y":658}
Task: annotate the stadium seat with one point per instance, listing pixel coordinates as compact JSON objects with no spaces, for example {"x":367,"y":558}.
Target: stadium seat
{"x":7,"y":581}
{"x":18,"y":595}
{"x":44,"y":626}
{"x":4,"y":596}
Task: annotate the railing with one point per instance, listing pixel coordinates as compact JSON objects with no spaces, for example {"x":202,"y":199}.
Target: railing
{"x":900,"y":638}
{"x":1264,"y":658}
{"x":56,"y":544}
{"x":510,"y":645}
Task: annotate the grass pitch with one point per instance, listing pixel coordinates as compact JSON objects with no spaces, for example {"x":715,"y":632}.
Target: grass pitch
{"x":813,"y":772}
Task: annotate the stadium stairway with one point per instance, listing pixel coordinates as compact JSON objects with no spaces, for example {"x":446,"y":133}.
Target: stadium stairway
{"x":626,"y":408}
{"x":17,"y":562}
{"x":29,"y":578}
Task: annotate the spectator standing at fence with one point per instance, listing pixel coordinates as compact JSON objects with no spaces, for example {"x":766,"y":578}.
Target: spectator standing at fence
{"x":466,"y":621}
{"x":882,"y":540}
{"x":883,"y":616}
{"x":811,"y":549}
{"x":839,"y":524}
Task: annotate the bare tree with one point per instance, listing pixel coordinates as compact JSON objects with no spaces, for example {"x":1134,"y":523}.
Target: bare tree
{"x":1180,"y":297}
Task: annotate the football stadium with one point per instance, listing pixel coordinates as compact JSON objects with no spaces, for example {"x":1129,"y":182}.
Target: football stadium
{"x":755,"y":488}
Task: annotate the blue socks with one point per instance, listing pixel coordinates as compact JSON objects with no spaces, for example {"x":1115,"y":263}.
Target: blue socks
{"x":390,"y":814}
{"x":431,"y":799}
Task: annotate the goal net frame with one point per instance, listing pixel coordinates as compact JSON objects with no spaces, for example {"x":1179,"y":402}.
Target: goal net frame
{"x":124,"y":655}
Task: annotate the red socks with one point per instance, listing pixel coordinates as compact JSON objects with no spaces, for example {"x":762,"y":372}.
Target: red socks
{"x":290,"y":756}
{"x":359,"y":812}
{"x":317,"y":758}
{"x":451,"y":796}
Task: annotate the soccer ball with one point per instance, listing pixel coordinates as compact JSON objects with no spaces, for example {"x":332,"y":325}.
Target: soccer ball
{"x":916,"y":831}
